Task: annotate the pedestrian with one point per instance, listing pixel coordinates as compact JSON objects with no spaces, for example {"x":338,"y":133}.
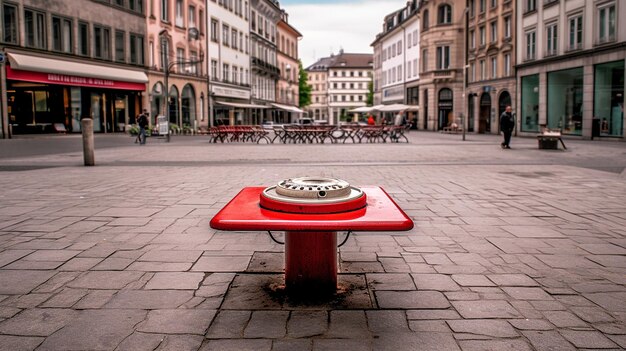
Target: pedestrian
{"x":507,"y":123}
{"x":399,"y":120}
{"x":371,"y":121}
{"x":142,"y":121}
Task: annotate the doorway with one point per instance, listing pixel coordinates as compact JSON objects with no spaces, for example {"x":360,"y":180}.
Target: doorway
{"x":484,"y":122}
{"x":445,"y":108}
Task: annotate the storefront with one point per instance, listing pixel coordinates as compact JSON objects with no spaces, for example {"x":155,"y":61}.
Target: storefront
{"x":231,"y":106}
{"x":609,"y":98}
{"x":51,"y":95}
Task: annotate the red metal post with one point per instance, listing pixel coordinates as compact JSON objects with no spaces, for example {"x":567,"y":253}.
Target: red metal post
{"x":311,"y":262}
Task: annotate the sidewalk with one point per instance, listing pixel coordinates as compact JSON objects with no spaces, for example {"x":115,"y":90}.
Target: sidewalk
{"x":517,"y":249}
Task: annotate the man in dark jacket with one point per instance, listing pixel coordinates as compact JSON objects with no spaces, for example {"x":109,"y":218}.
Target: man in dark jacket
{"x":142,"y":121}
{"x":507,"y":123}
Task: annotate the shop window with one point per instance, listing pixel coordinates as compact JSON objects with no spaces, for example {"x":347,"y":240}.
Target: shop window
{"x":9,"y":24}
{"x":35,"y":29}
{"x":565,"y":100}
{"x":530,"y":103}
{"x":62,"y":35}
{"x":609,"y":98}
{"x":83,"y":39}
{"x":136,"y":49}
{"x":41,"y":101}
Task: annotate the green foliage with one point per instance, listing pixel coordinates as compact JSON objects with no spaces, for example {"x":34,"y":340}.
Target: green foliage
{"x":174,"y":128}
{"x":304,"y":87}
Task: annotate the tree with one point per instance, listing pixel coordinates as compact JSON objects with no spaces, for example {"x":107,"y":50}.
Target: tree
{"x":304,"y":87}
{"x":370,"y":94}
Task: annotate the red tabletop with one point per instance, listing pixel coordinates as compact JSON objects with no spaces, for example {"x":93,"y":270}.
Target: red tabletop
{"x":243,"y":213}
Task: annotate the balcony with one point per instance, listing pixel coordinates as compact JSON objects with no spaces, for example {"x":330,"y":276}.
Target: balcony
{"x":443,"y":74}
{"x":265,"y":67}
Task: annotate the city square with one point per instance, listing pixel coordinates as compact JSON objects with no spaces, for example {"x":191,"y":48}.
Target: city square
{"x":519,"y":249}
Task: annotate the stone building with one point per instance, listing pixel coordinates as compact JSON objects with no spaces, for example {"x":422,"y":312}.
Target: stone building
{"x":318,"y":80}
{"x":68,"y":62}
{"x":349,"y":75}
{"x":570,"y":71}
{"x":177,"y":41}
{"x":491,"y":42}
{"x":287,"y":88}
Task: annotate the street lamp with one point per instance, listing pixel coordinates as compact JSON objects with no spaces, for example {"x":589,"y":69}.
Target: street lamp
{"x":465,"y":66}
{"x":164,"y":36}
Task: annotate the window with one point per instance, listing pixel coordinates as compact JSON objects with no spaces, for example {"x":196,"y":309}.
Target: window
{"x":507,"y":27}
{"x":472,"y":8}
{"x":530,"y":45}
{"x":246,"y":42}
{"x":565,"y":100}
{"x":136,"y":49}
{"x":551,"y":39}
{"x":225,"y":34}
{"x":443,"y":57}
{"x":235,"y":74}
{"x":425,"y":20}
{"x":530,"y":5}
{"x":214,"y":70}
{"x":606,"y":23}
{"x":408,"y":40}
{"x":180,"y":57}
{"x":9,"y":24}
{"x":482,"y":70}
{"x":472,"y":39}
{"x":234,"y":38}
{"x":530,"y":103}
{"x":225,"y":72}
{"x":165,"y":16}
{"x":191,"y":17}
{"x":393,"y":50}
{"x":576,"y":32}
{"x":494,"y":67}
{"x":483,"y":36}
{"x":415,"y":37}
{"x":179,"y":20}
{"x":494,"y":3}
{"x":507,"y":65}
{"x":83,"y":39}
{"x":408,"y":71}
{"x":399,"y":46}
{"x":609,"y":97}
{"x":119,"y":46}
{"x":399,"y":73}
{"x":444,"y":14}
{"x":253,"y":22}
{"x":62,"y":35}
{"x":472,"y":75}
{"x":215,"y":30}
{"x":425,"y":60}
{"x":483,"y":5}
{"x":102,"y":42}
{"x":201,"y":21}
{"x":136,"y":5}
{"x":35,"y":29}
{"x":494,"y":31}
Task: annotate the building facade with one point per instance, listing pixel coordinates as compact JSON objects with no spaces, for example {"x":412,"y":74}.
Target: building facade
{"x":229,"y":61}
{"x":177,"y":42}
{"x":441,"y":63}
{"x":68,"y":62}
{"x":348,"y":78}
{"x":570,"y":72}
{"x":317,"y":75}
{"x":264,"y":18}
{"x":287,"y":88}
{"x":491,"y":82}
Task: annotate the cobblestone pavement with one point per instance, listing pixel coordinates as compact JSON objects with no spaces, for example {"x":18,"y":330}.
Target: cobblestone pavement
{"x":517,"y":249}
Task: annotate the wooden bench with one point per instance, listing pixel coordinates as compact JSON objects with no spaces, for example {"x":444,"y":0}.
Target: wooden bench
{"x":550,"y":140}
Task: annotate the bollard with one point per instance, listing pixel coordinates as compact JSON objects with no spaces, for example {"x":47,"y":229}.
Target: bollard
{"x":86,"y":125}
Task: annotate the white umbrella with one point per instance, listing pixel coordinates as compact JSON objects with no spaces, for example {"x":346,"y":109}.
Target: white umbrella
{"x":363,"y":109}
{"x":393,"y":108}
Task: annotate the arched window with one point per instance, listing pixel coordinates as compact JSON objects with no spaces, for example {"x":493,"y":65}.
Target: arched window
{"x":444,"y":15}
{"x":425,"y":16}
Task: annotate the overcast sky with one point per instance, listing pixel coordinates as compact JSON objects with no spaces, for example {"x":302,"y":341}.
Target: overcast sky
{"x":329,"y":25}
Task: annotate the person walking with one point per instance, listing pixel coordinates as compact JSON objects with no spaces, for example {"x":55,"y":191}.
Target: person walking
{"x":142,"y":121}
{"x":507,"y":124}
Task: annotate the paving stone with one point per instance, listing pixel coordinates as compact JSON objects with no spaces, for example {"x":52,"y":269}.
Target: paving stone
{"x":181,"y":343}
{"x":588,"y":339}
{"x":548,"y":340}
{"x":159,"y":266}
{"x":342,"y":344}
{"x":19,"y":343}
{"x":592,"y":314}
{"x":292,"y":344}
{"x":141,"y":342}
{"x":8,"y":256}
{"x":15,"y":282}
{"x":189,"y":256}
{"x":361,"y":267}
{"x":472,"y":280}
{"x":273,"y":262}
{"x":95,"y":299}
{"x":98,"y":330}
{"x":8,"y":312}
{"x":394,"y":264}
{"x":495,"y":328}
{"x":149,"y":299}
{"x":177,"y":321}
{"x":66,"y":298}
{"x":229,"y":324}
{"x":175,"y":281}
{"x":113,"y":264}
{"x":304,"y":324}
{"x":619,"y":340}
{"x":34,"y":265}
{"x":415,"y":341}
{"x":51,"y":255}
{"x":610,"y":301}
{"x":512,"y":280}
{"x":390,"y":281}
{"x":238,"y":345}
{"x":564,"y":319}
{"x":105,"y":280}
{"x":531,"y":324}
{"x":521,"y":231}
{"x":439,"y":282}
{"x":523,"y":293}
{"x":37,"y":322}
{"x":485,"y":309}
{"x":490,"y":345}
{"x":411,"y":300}
{"x":267,"y":324}
{"x":429,"y":326}
{"x":57,"y":282}
{"x":383,"y":321}
{"x":348,"y":256}
{"x":347,"y":325}
{"x":221,"y":264}
{"x":432,"y":314}
{"x":80,"y":264}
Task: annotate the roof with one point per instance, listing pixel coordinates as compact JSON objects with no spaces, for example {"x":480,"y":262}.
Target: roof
{"x":348,"y":60}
